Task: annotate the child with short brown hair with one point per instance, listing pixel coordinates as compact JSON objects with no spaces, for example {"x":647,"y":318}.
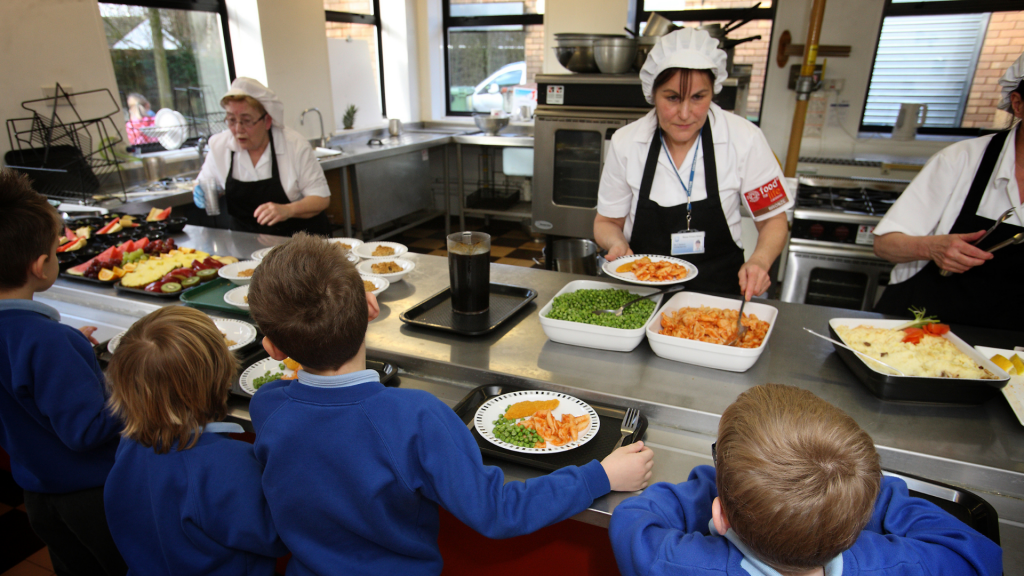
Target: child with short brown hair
{"x":796,"y":490}
{"x":53,"y":420}
{"x":355,"y":472}
{"x":182,"y":498}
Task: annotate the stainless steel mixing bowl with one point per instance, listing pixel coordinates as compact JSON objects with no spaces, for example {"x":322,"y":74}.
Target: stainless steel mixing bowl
{"x":490,"y":124}
{"x":614,"y":55}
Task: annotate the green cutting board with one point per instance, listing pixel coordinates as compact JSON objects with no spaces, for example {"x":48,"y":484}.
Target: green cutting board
{"x":211,"y":297}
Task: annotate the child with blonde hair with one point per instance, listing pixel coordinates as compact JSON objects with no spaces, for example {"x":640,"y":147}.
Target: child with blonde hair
{"x":183,"y":498}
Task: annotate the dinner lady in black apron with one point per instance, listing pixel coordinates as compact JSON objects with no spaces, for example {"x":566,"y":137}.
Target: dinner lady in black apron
{"x":674,"y":181}
{"x":940,"y":221}
{"x":271,"y":179}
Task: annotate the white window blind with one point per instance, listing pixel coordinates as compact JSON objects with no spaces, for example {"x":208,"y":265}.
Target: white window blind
{"x":927,"y":60}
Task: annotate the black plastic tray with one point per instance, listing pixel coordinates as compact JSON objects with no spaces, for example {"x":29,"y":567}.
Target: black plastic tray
{"x":177,"y":294}
{"x":84,"y":279}
{"x":596,"y":449}
{"x":916,"y":389}
{"x":964,"y":505}
{"x":436,"y":311}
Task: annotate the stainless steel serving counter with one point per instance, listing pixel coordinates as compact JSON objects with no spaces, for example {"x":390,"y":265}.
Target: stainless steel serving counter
{"x":980,"y":448}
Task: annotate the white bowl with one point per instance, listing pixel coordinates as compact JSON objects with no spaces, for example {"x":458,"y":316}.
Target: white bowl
{"x":236,"y":297}
{"x":231,"y":271}
{"x":590,"y":335}
{"x":380,"y":282}
{"x":716,"y":356}
{"x":261,"y":253}
{"x":238,"y":331}
{"x":366,"y":249}
{"x":353,"y":242}
{"x":365,"y":267}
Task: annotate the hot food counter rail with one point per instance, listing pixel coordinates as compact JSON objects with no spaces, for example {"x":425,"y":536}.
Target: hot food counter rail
{"x":978,"y":447}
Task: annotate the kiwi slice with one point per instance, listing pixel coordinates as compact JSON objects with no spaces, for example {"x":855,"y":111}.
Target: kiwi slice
{"x":190,"y":282}
{"x":170,"y":287}
{"x":206,"y":275}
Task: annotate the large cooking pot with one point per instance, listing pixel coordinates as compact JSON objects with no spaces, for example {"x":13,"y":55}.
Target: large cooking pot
{"x":727,"y":44}
{"x":575,"y":256}
{"x":644,"y":44}
{"x":658,"y":25}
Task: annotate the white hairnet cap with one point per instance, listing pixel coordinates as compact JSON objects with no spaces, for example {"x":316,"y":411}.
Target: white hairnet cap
{"x":1010,"y":81}
{"x":686,"y":48}
{"x":243,"y":86}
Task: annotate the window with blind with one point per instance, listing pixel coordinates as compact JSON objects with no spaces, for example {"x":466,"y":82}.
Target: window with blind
{"x":947,"y":54}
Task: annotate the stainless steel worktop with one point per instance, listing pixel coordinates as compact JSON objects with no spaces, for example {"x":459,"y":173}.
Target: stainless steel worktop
{"x":981,"y":448}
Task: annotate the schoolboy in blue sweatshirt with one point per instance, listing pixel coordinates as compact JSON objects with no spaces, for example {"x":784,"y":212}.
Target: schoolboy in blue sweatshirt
{"x":53,"y":422}
{"x":354,"y":472}
{"x":796,"y":493}
{"x":182,"y":498}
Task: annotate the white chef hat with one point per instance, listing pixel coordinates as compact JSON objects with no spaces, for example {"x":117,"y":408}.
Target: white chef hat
{"x":686,"y":48}
{"x":1010,"y":80}
{"x":243,"y":86}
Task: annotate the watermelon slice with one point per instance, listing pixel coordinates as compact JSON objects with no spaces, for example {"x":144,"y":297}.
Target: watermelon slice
{"x":114,"y":253}
{"x":163,"y":214}
{"x":81,"y":268}
{"x":140,"y":243}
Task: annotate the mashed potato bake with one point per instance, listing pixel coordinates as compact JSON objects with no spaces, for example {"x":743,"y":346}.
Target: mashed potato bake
{"x":933,"y":357}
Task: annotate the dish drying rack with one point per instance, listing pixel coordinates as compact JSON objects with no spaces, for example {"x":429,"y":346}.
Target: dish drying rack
{"x":190,"y":103}
{"x":69,"y":157}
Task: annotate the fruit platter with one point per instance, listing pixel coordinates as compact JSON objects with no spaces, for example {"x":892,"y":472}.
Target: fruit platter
{"x":84,"y":238}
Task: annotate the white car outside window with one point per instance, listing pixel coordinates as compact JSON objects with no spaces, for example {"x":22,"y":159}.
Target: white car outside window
{"x":487,"y":95}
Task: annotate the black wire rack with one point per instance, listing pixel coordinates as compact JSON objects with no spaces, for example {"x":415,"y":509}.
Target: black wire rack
{"x":68,"y":157}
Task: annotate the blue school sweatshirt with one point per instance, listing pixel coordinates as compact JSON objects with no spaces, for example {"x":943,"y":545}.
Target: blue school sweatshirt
{"x":195,"y":511}
{"x":667,"y":530}
{"x":53,"y":421}
{"x":354,"y":473}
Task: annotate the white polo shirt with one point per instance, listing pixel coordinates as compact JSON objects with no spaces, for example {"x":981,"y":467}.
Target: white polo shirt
{"x":931,"y":203}
{"x":748,"y":172}
{"x":300,"y":172}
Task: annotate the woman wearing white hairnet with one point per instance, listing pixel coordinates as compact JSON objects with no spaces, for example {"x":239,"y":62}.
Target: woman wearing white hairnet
{"x":939,"y":221}
{"x":271,"y":179}
{"x":674,"y":180}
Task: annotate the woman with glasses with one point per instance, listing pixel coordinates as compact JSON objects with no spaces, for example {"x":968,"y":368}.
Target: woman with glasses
{"x":271,"y":179}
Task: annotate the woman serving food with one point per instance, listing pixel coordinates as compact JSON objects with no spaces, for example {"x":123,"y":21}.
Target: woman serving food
{"x":939,"y":221}
{"x":280,"y":192}
{"x":674,"y":180}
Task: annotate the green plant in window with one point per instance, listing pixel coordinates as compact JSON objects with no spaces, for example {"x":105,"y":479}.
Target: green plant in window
{"x":350,"y":116}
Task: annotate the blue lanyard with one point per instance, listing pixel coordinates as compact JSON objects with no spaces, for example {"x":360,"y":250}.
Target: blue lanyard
{"x":693,"y":169}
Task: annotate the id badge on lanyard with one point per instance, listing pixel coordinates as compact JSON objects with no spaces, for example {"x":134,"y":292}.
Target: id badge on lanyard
{"x":688,"y":241}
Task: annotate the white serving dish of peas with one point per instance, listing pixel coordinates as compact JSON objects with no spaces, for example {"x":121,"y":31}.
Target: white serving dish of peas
{"x":594,"y":336}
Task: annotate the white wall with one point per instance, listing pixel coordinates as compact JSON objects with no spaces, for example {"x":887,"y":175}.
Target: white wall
{"x":856,"y":24}
{"x":48,"y":41}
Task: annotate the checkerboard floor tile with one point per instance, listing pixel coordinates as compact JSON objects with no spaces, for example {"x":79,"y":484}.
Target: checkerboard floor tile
{"x":510,"y":244}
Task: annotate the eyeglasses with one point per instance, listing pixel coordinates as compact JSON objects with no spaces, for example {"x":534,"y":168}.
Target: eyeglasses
{"x":714,"y":453}
{"x":231,"y":121}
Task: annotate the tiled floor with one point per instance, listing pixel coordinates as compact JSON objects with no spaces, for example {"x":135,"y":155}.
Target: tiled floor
{"x":510,"y":244}
{"x":22,"y":552}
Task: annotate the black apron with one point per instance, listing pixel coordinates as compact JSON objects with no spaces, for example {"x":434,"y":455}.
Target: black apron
{"x":987,"y":295}
{"x":719,"y":266}
{"x":243,"y":198}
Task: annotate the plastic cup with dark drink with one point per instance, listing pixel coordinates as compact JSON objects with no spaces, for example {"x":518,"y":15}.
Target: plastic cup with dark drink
{"x":469,"y":268}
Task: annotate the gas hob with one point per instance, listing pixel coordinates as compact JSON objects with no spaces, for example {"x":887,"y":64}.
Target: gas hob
{"x":842,"y":211}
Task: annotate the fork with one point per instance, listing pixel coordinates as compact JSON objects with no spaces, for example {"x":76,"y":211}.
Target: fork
{"x":740,"y":328}
{"x":629,"y":423}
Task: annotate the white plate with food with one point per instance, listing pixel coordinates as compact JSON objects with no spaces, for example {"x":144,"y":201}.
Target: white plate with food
{"x":561,"y":416}
{"x":352,"y":243}
{"x":237,"y":334}
{"x":267,"y":370}
{"x":650,"y":267}
{"x":371,"y":250}
{"x":239,"y":273}
{"x":1014,"y":389}
{"x":393,"y":269}
{"x":261,"y":253}
{"x":238,"y":297}
{"x":375,"y":284}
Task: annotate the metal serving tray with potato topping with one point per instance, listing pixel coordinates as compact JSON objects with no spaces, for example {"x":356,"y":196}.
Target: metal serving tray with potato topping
{"x":893,"y":387}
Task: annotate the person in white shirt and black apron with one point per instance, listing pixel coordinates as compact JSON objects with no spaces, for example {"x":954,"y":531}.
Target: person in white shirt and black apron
{"x":271,"y":179}
{"x":938,"y":223}
{"x":674,"y":181}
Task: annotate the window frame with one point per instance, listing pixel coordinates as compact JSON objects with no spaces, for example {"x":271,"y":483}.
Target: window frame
{"x":374,"y":20}
{"x":219,"y":7}
{"x":448,"y":21}
{"x":716,"y":14}
{"x":932,"y":8}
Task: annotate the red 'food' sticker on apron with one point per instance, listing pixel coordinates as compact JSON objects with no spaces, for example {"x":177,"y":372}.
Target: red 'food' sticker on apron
{"x":766,"y":198}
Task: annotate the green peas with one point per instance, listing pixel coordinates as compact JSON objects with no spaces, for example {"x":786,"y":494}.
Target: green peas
{"x":261,"y":380}
{"x":578,"y":306}
{"x":515,"y":434}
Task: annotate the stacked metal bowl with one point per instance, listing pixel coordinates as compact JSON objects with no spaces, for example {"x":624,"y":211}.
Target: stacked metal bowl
{"x":577,"y":51}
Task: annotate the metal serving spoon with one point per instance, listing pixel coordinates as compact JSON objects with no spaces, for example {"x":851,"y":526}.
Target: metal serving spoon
{"x":618,"y":311}
{"x":838,"y":343}
{"x":1005,"y":216}
{"x":740,"y":328}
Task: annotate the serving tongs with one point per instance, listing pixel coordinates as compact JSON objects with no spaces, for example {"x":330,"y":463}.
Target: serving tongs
{"x":1002,"y":218}
{"x":872,"y":358}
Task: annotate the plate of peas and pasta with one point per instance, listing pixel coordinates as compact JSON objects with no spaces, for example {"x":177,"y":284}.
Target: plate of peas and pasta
{"x":267,"y":370}
{"x":537,"y":422}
